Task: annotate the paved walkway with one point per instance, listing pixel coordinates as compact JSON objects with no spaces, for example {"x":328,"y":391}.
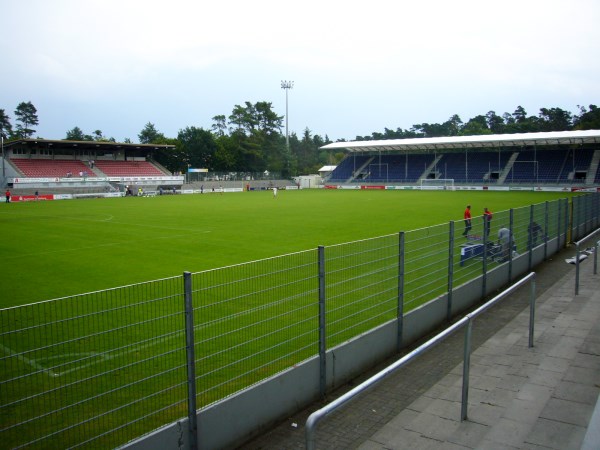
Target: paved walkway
{"x":519,"y":397}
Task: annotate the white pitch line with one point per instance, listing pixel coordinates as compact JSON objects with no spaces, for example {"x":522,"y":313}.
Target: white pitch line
{"x":100,"y":357}
{"x":109,"y":244}
{"x":28,"y":361}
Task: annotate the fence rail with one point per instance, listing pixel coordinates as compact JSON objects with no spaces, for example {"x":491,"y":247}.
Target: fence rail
{"x":314,"y":419}
{"x":99,"y":369}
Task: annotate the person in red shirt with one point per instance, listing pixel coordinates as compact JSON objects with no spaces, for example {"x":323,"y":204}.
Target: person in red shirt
{"x":467,"y":217}
{"x":7,"y":195}
{"x":487,"y":221}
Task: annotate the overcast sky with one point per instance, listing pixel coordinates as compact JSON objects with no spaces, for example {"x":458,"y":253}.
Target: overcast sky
{"x":357,"y":67}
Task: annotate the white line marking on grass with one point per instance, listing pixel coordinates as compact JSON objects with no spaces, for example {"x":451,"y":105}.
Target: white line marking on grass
{"x":110,"y":218}
{"x":100,"y":356}
{"x":29,"y":362}
{"x":108,"y":244}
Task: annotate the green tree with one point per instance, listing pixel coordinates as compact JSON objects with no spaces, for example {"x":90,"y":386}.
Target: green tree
{"x":170,"y":158}
{"x":76,"y":134}
{"x":495,"y":123}
{"x":555,"y":119}
{"x":226,"y":155}
{"x":5,"y":125}
{"x":519,"y":122}
{"x":197,"y":149}
{"x":243,"y":119}
{"x":26,"y":115}
{"x":149,"y":135}
{"x":99,"y":137}
{"x":219,"y":127}
{"x":587,"y":119}
{"x":475,"y":126}
{"x":255,"y":139}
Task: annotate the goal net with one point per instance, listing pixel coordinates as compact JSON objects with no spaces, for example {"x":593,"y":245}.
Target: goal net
{"x":437,"y":184}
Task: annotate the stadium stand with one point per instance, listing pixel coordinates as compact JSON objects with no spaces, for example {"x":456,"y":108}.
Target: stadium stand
{"x":44,"y":168}
{"x":554,"y":157}
{"x":544,"y":166}
{"x":403,"y":168}
{"x":128,"y":168}
{"x":347,"y":167}
{"x":474,"y":167}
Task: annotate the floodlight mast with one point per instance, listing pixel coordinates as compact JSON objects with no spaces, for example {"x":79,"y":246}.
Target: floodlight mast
{"x":3,"y":173}
{"x":287,"y":85}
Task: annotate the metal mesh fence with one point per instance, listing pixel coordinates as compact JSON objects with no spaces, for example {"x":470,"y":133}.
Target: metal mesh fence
{"x":99,"y":369}
{"x":361,"y":286}
{"x":92,"y":370}
{"x":252,"y":321}
{"x":426,"y":265}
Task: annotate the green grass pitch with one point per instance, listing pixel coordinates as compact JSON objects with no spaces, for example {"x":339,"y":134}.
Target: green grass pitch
{"x":60,"y":248}
{"x":105,"y":369}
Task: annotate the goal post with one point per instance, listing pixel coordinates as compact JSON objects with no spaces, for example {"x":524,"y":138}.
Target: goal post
{"x":437,"y":184}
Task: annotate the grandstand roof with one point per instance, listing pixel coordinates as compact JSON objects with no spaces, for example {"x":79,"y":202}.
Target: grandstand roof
{"x":82,"y":145}
{"x":463,"y":142}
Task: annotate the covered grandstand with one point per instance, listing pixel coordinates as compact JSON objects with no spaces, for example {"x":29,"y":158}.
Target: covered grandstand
{"x":565,"y":158}
{"x":80,"y":167}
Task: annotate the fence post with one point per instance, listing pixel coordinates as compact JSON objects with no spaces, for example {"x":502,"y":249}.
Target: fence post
{"x":322,"y":334}
{"x":565,"y":221}
{"x":596,"y":258}
{"x":511,"y":243}
{"x":450,"y":270}
{"x":400,"y":313}
{"x":532,"y":311}
{"x":545,"y":232}
{"x":574,"y":218}
{"x":530,"y":238}
{"x":484,"y":263}
{"x":191,"y":360}
{"x":577,"y":268}
{"x":558,"y":222}
{"x":466,"y":369}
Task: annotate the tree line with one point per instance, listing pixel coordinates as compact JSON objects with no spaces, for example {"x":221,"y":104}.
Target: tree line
{"x":250,"y":139}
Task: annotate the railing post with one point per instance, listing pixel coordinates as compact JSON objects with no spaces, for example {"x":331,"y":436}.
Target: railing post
{"x":568,"y":221}
{"x":450,"y":270}
{"x":530,"y":238}
{"x":545,"y":232}
{"x":322,"y":325}
{"x":558,"y":222}
{"x":577,"y":268}
{"x":511,"y":243}
{"x":532,"y":311}
{"x":191,"y":361}
{"x":484,"y":254}
{"x":596,"y":258}
{"x":400,"y":314}
{"x":466,"y":369}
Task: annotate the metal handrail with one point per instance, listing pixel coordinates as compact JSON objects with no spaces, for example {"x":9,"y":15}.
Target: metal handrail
{"x":315,"y":417}
{"x":577,"y":257}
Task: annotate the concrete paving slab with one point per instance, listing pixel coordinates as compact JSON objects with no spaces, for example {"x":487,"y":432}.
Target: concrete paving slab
{"x":469,"y":434}
{"x":583,"y":375}
{"x":509,"y":432}
{"x":434,"y":427}
{"x":577,"y":392}
{"x":556,"y":435}
{"x":566,"y":411}
{"x":554,"y":364}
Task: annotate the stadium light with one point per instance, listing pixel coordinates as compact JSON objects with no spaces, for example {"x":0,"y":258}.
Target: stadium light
{"x":287,"y":85}
{"x":2,"y":139}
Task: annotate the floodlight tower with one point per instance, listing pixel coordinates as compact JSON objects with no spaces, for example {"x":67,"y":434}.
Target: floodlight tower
{"x":2,"y":140}
{"x":287,"y":85}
